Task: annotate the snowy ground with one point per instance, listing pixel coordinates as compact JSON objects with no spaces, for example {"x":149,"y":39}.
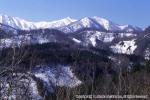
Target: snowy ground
{"x":50,"y":76}
{"x":147,"y":54}
{"x":18,"y":85}
{"x":53,"y":76}
{"x":125,"y":47}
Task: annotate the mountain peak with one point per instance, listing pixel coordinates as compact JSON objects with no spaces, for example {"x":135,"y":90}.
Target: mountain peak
{"x":107,"y":24}
{"x":70,"y":19}
{"x":67,"y":20}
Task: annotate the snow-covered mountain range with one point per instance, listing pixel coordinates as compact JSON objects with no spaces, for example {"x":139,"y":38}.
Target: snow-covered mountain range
{"x":89,"y":31}
{"x":22,"y":24}
{"x":68,"y":24}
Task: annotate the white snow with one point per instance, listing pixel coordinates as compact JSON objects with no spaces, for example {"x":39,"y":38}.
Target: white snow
{"x":125,"y":47}
{"x":147,"y":54}
{"x":76,"y":40}
{"x":129,"y":28}
{"x":80,"y":24}
{"x":66,"y":25}
{"x":105,"y":37}
{"x":33,"y":87}
{"x":111,"y":26}
{"x":18,"y":87}
{"x":56,"y":76}
{"x":123,"y":26}
{"x":5,"y":43}
{"x":93,"y":41}
{"x":42,"y":40}
{"x":108,"y":25}
{"x":92,"y":36}
{"x":87,"y":22}
{"x":127,"y":35}
{"x":26,"y":39}
{"x":19,"y":23}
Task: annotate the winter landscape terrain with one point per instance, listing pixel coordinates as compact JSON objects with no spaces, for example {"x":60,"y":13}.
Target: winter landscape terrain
{"x":56,"y":60}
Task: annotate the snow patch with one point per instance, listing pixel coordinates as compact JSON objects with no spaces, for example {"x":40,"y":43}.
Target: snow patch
{"x":54,"y":76}
{"x":125,"y":47}
{"x":93,"y":41}
{"x":76,"y":40}
{"x":21,"y":83}
{"x":147,"y":54}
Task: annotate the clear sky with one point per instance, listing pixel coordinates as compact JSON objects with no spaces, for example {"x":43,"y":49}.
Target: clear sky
{"x":134,"y":12}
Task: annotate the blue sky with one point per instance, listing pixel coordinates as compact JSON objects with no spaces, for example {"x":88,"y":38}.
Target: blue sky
{"x":134,"y":12}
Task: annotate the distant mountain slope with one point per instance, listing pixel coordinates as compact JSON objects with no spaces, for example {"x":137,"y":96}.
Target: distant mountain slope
{"x":68,"y":24}
{"x":22,"y":24}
